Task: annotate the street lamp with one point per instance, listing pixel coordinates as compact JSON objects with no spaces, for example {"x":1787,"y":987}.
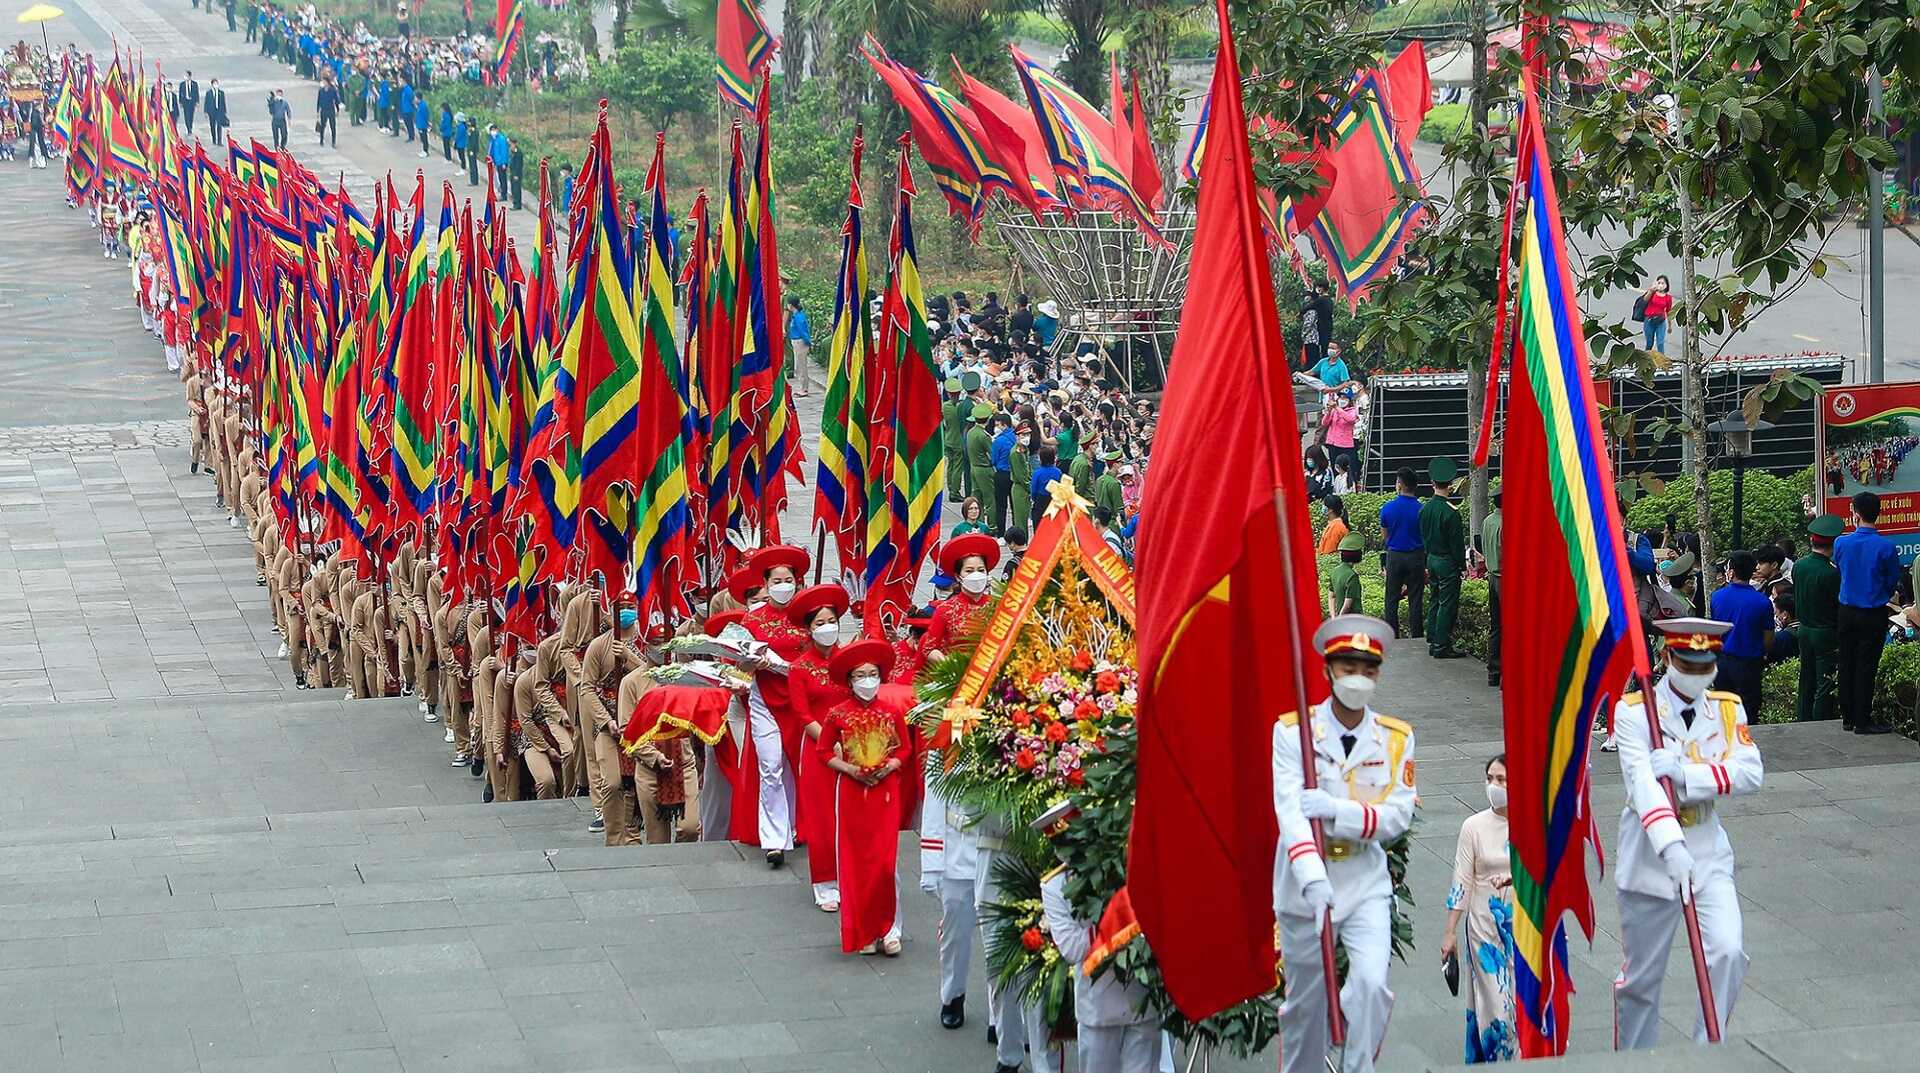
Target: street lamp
{"x":1736,"y":437}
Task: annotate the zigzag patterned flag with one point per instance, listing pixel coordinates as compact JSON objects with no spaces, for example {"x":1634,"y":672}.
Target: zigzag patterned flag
{"x":918,"y":479}
{"x":409,"y":364}
{"x":508,"y":21}
{"x":742,"y":47}
{"x":1574,"y":636}
{"x":661,"y":506}
{"x":841,"y":478}
{"x":1082,"y":144}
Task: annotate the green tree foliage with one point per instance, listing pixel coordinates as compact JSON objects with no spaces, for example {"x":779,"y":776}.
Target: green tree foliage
{"x":1771,"y":506}
{"x":662,"y":79}
{"x":812,"y":157}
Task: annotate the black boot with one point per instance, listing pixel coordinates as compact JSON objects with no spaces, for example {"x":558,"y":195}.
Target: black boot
{"x":954,"y":1014}
{"x":776,"y":858}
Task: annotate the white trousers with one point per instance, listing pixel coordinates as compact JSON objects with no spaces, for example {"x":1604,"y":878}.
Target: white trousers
{"x":1647,"y":925}
{"x":716,"y":801}
{"x":1133,"y":1048}
{"x":956,"y":935}
{"x":1020,"y":1025}
{"x":1367,"y":933}
{"x":776,"y":787}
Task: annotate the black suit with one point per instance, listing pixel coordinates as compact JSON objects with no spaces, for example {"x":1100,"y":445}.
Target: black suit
{"x":216,"y":113}
{"x":189,"y":100}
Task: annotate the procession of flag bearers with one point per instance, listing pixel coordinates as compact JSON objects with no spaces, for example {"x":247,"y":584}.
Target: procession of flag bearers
{"x":741,"y":704}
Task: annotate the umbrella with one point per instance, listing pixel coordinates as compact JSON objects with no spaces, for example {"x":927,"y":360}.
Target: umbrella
{"x":40,"y":13}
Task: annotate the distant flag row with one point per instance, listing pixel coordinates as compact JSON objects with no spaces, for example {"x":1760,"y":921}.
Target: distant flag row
{"x":412,"y":380}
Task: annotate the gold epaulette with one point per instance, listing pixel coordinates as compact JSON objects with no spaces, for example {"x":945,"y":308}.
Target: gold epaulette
{"x":1054,"y":871}
{"x":1631,"y":698}
{"x":1722,"y":694}
{"x":1290,"y":719}
{"x":1393,"y":725}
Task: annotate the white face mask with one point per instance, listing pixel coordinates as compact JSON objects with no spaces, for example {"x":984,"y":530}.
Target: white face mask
{"x":828,"y":635}
{"x":1690,"y":686}
{"x":780,"y":592}
{"x":974,"y":581}
{"x":1496,"y":795}
{"x":1353,"y":690}
{"x":866,"y":688}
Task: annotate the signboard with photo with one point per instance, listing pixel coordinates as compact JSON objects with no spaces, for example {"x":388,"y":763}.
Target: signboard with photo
{"x":1870,"y":442}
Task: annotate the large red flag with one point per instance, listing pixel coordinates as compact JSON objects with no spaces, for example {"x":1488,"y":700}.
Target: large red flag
{"x":1227,"y":599}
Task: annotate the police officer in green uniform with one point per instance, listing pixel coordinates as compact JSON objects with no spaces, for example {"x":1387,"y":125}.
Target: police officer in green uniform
{"x":1081,"y":471}
{"x":1343,"y":582}
{"x":1816,"y":596}
{"x":1107,"y":493}
{"x":980,"y":458}
{"x":953,"y":439}
{"x":1020,"y":476}
{"x":1446,"y":543}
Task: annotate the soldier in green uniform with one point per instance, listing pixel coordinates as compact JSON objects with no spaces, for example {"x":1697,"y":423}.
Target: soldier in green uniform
{"x":1446,"y":543}
{"x":980,"y":458}
{"x":1107,"y":492}
{"x":1343,"y":584}
{"x":1816,"y":596}
{"x":953,"y":440}
{"x":1080,"y":471}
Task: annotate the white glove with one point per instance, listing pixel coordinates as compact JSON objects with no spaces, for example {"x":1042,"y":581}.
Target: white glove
{"x":1679,"y":862}
{"x":1316,"y":804}
{"x":1319,"y":898}
{"x":1666,"y":764}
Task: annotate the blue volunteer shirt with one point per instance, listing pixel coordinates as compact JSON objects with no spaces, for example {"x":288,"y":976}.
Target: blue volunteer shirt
{"x":1400,"y":517}
{"x":1002,"y":452}
{"x":1751,"y":615}
{"x":1869,"y":568}
{"x":799,"y":329}
{"x":1331,"y":371}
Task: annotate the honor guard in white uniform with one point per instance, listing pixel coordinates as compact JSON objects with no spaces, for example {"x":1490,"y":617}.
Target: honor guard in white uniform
{"x":949,"y":863}
{"x":1365,"y":796}
{"x":1664,"y":850}
{"x":1116,"y":1030}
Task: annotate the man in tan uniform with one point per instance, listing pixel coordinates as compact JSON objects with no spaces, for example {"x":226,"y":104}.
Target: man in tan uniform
{"x":232,"y":430}
{"x":487,"y":662}
{"x":610,"y":658}
{"x":422,"y":598}
{"x":196,"y":420}
{"x":659,"y":764}
{"x":588,"y":619}
{"x":323,"y":628}
{"x":504,"y":733}
{"x":293,"y":618}
{"x":564,"y":651}
{"x":546,"y":741}
{"x":455,"y":668}
{"x":363,"y":669}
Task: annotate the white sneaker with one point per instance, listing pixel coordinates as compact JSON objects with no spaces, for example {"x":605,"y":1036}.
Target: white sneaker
{"x":450,"y":737}
{"x":233,"y":521}
{"x":1609,"y":746}
{"x":283,"y":651}
{"x":461,"y":760}
{"x":434,"y":717}
{"x":423,"y":707}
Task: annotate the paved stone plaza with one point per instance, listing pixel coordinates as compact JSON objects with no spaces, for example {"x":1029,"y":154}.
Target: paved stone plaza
{"x":202,"y":869}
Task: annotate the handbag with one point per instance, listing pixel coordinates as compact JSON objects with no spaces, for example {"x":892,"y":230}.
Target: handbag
{"x":1640,"y":309}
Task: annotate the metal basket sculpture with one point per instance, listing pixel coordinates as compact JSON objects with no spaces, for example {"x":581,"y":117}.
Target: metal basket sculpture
{"x":1115,"y":288}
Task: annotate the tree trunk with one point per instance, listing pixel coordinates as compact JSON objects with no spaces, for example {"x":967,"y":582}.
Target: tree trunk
{"x":1149,"y":51}
{"x":1693,"y":402}
{"x":621,"y":8}
{"x":1482,"y":162}
{"x":583,"y":25}
{"x":1084,"y":67}
{"x":794,"y":46}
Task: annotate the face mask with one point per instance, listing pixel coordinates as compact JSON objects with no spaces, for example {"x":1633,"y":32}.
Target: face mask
{"x":1496,"y":795}
{"x":1691,"y":686}
{"x":628,"y":618}
{"x":974,"y":581}
{"x":1353,"y":690}
{"x":866,"y":688}
{"x":827,"y":636}
{"x":780,"y":592}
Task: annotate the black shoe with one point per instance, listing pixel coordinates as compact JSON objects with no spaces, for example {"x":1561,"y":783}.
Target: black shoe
{"x":1448,"y":653}
{"x":1493,"y":681}
{"x":194,"y":468}
{"x":776,"y":858}
{"x":993,"y":1040}
{"x":486,"y":794}
{"x":477,"y":767}
{"x":998,"y":1068}
{"x":1874,"y":728}
{"x":954,"y":1014}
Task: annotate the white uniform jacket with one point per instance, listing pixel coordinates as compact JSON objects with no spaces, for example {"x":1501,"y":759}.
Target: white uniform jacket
{"x":1719,"y":760}
{"x":949,"y":843}
{"x":1375,"y":792}
{"x":1102,"y":1002}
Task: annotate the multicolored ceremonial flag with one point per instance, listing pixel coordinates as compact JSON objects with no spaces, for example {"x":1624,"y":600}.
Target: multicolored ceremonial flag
{"x":953,"y":153}
{"x":742,"y":48}
{"x":409,"y":364}
{"x":917,"y":487}
{"x":662,"y":517}
{"x":508,"y":21}
{"x":1082,"y":145}
{"x":1574,"y":640}
{"x":1376,"y":205}
{"x":1012,"y":139}
{"x":1227,"y":583}
{"x":840,"y":481}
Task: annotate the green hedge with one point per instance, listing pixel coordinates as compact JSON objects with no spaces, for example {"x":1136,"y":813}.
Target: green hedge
{"x":1443,"y":121}
{"x":1895,"y":690}
{"x":1363,"y":517}
{"x":1470,"y":631}
{"x":1771,"y":508}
